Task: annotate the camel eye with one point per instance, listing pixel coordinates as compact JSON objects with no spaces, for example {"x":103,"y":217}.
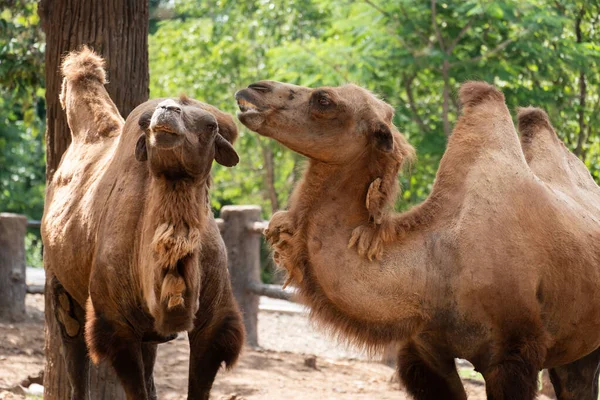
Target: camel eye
{"x":322,"y":102}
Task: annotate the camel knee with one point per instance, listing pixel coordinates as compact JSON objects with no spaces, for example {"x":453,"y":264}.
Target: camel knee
{"x":116,"y":343}
{"x":224,"y":343}
{"x":512,"y":380}
{"x":104,"y":338}
{"x":425,"y":381}
{"x":231,"y":338}
{"x":218,"y":343}
{"x":577,"y":380}
{"x":515,"y":368}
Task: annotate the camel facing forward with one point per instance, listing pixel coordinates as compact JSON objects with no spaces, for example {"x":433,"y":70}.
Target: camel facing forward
{"x":495,"y":267}
{"x":129,"y":234}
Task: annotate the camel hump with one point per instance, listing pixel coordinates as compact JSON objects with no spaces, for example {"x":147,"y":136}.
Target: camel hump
{"x":84,"y":64}
{"x":473,"y":93}
{"x":91,"y":113}
{"x":532,"y":120}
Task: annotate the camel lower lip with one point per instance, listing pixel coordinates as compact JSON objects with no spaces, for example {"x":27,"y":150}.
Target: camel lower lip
{"x":252,"y":119}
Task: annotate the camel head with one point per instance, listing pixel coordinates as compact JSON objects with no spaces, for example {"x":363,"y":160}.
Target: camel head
{"x":181,"y":139}
{"x":328,"y":124}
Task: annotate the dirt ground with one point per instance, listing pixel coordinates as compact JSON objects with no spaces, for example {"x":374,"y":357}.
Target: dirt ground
{"x":276,"y":371}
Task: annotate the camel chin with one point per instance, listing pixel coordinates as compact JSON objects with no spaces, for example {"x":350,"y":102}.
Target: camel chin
{"x":253,"y":119}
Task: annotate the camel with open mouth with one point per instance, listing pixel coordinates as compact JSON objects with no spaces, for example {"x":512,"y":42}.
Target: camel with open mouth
{"x":494,"y":266}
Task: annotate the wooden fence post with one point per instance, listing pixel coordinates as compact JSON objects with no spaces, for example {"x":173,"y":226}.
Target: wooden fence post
{"x":13,"y":228}
{"x":243,"y":252}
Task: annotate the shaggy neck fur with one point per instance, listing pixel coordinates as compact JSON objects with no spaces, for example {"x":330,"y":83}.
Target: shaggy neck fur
{"x":177,"y":213}
{"x":347,"y":185}
{"x":178,"y":226}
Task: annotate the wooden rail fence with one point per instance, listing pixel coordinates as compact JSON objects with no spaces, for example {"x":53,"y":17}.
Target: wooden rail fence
{"x":241,"y":228}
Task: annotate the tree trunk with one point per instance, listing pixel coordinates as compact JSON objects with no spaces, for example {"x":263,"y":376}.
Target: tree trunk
{"x":581,"y":138}
{"x":446,"y":100}
{"x":12,"y":267}
{"x":270,"y":176}
{"x":118,"y":30}
{"x":243,"y":259}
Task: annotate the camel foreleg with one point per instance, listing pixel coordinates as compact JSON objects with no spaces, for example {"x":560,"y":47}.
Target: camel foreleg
{"x":71,"y":321}
{"x":577,"y":380}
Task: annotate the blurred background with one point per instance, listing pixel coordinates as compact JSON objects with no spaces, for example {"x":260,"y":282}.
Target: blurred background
{"x":412,"y":53}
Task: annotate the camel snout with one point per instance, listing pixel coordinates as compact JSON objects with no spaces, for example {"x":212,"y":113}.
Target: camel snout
{"x":166,"y":125}
{"x":170,"y":105}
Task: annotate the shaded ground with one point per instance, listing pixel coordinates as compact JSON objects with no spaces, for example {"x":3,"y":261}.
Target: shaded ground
{"x":277,"y":372}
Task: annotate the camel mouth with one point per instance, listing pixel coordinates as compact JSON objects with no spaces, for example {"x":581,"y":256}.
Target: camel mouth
{"x":164,"y":128}
{"x":247,"y":101}
{"x":166,"y":121}
{"x":246,"y":106}
{"x":251,"y":114}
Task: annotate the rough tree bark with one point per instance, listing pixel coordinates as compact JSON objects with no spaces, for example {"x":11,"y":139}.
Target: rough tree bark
{"x":12,"y":267}
{"x":582,"y":137}
{"x":118,"y":30}
{"x":268,"y":159}
{"x":243,"y":258}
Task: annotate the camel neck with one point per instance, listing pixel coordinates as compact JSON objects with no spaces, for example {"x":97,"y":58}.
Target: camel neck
{"x":337,"y":283}
{"x":177,"y":214}
{"x":339,"y":188}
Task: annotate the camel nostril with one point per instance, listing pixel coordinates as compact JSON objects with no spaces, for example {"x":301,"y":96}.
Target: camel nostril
{"x":171,"y":108}
{"x":260,"y":87}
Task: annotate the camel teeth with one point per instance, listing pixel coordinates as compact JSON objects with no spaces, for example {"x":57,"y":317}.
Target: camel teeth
{"x":245,"y":105}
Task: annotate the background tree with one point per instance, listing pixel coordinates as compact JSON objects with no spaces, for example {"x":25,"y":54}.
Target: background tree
{"x":22,"y":117}
{"x":119,"y":31}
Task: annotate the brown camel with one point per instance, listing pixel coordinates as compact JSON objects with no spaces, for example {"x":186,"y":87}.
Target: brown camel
{"x":128,"y":230}
{"x":564,"y":173}
{"x":494,"y":267}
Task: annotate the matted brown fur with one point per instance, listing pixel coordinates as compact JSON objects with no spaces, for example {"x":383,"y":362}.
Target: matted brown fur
{"x":88,"y":69}
{"x":550,"y":159}
{"x":129,"y":233}
{"x":477,"y":271}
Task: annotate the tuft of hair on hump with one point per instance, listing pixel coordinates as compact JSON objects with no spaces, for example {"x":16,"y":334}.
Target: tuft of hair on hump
{"x":473,"y":93}
{"x":529,"y":118}
{"x":184,"y":99}
{"x":84,"y":64}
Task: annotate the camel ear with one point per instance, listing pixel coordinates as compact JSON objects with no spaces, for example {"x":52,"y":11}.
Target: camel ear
{"x":141,"y":154}
{"x":224,"y":152}
{"x":382,"y":137}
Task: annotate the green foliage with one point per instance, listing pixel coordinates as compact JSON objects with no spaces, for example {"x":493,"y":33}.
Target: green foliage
{"x":222,"y":46}
{"x":414,"y":54}
{"x":22,"y":112}
{"x":22,"y":118}
{"x":395,"y":48}
{"x":33,"y":253}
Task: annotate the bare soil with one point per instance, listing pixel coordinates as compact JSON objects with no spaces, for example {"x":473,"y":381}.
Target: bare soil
{"x":297,"y":362}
